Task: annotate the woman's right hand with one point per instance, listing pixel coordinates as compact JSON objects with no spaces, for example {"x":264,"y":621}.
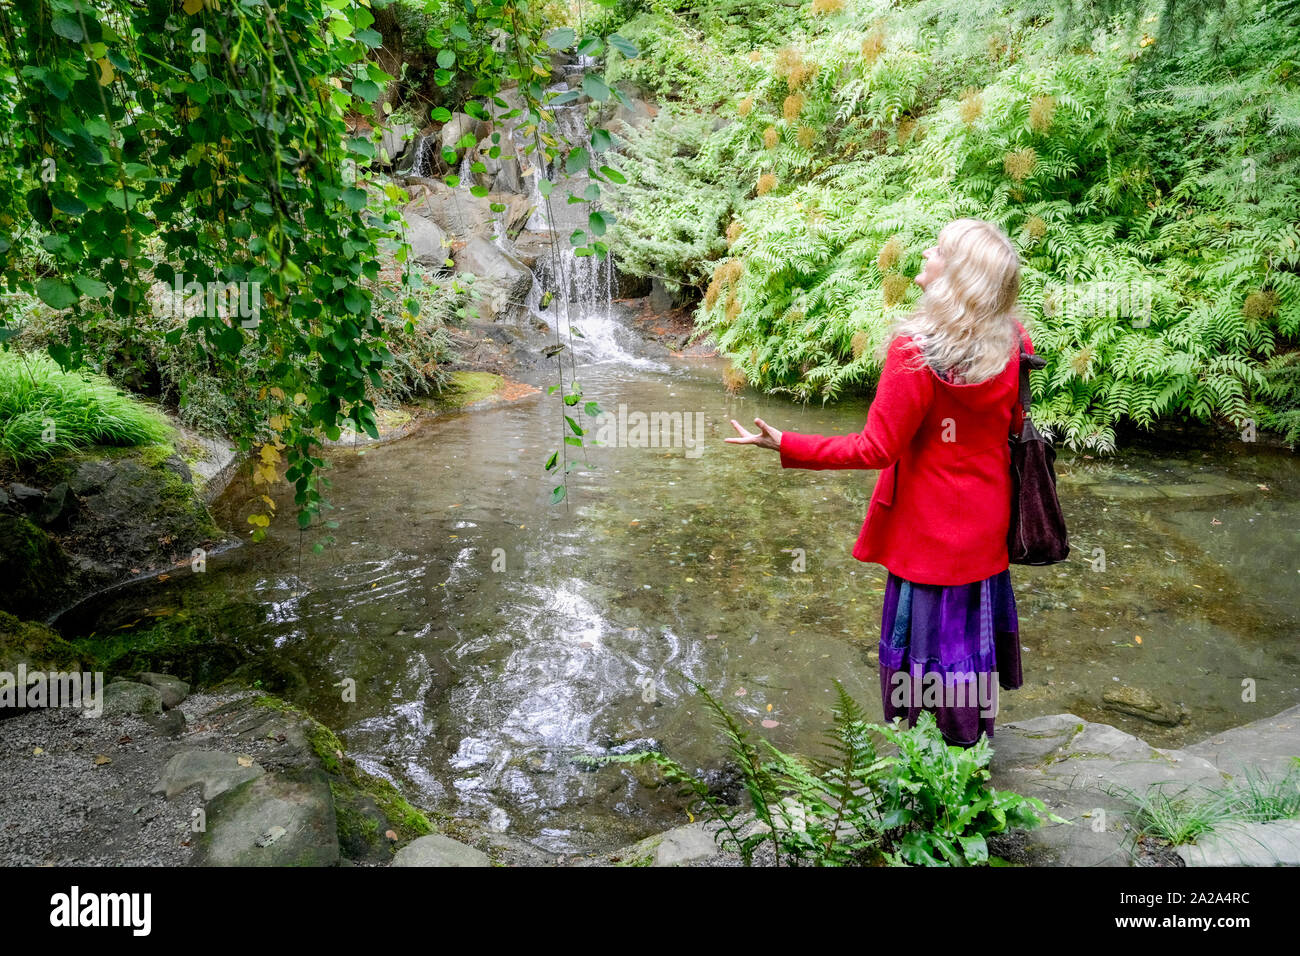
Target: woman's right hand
{"x":767,"y":437}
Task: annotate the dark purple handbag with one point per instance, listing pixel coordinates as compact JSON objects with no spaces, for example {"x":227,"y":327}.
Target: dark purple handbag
{"x":1037,"y":531}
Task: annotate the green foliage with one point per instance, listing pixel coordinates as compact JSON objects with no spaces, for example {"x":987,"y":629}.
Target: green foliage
{"x":1148,"y":179}
{"x":929,"y":805}
{"x":44,"y":410}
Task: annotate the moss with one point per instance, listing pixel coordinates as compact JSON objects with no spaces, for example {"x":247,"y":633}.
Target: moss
{"x":466,"y":388}
{"x":408,"y":821}
{"x":33,"y":567}
{"x":36,"y":646}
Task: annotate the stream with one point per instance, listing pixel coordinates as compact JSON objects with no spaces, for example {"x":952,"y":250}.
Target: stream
{"x":494,"y":637}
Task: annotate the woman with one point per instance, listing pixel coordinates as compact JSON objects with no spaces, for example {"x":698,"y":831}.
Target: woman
{"x":938,"y":518}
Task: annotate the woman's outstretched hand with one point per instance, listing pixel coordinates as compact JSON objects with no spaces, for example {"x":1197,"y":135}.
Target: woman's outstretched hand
{"x":768,"y":437}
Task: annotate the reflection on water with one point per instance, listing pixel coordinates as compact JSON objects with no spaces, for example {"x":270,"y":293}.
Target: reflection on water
{"x":494,"y":637}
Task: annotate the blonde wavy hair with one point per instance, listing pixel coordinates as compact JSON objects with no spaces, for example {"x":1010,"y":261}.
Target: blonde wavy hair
{"x":964,"y":324}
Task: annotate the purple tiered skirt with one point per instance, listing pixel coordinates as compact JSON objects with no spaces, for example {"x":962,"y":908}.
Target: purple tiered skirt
{"x":948,"y":649}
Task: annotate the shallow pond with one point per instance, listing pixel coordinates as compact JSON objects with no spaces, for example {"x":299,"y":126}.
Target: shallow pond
{"x":493,"y":636}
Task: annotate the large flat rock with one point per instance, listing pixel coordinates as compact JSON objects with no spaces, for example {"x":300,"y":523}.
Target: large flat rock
{"x":283,"y":819}
{"x":1266,"y":745}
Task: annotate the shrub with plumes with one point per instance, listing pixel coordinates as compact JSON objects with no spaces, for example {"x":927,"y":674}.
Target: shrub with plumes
{"x":890,"y":253}
{"x":1041,"y":111}
{"x":765,"y":183}
{"x":755,"y":56}
{"x":1081,"y":361}
{"x":859,"y":343}
{"x":792,"y":106}
{"x":711,"y":294}
{"x":895,"y":288}
{"x":997,"y":47}
{"x":873,"y":46}
{"x":771,"y":137}
{"x":791,"y":67}
{"x":733,"y":305}
{"x":1262,"y":304}
{"x":1035,"y":227}
{"x":1020,"y":164}
{"x":806,"y":136}
{"x":746,"y":105}
{"x":972,"y":106}
{"x":826,"y":8}
{"x":733,"y":379}
{"x":906,"y":127}
{"x":734,"y":230}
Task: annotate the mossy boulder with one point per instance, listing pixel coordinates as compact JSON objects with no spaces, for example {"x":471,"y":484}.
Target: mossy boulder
{"x":33,"y":566}
{"x":37,"y":647}
{"x":110,"y":514}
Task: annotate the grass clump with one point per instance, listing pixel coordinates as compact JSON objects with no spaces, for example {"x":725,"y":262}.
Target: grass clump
{"x":45,"y":410}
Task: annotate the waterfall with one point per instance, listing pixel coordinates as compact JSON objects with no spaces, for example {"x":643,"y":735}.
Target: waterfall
{"x":583,"y":301}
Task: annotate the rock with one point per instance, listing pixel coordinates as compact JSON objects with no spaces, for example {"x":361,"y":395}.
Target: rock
{"x":677,"y":847}
{"x":25,"y":496}
{"x":35,"y":647}
{"x":501,"y":267}
{"x":214,"y":770}
{"x":173,"y":689}
{"x":90,"y":476}
{"x":241,"y":820}
{"x":1082,"y":771}
{"x":1138,"y":702}
{"x":661,"y":300}
{"x":1275,"y":843}
{"x":170,"y":723}
{"x":1266,"y":745}
{"x":393,"y":141}
{"x":128,"y":697}
{"x":428,"y":242}
{"x":438,"y":850}
{"x":33,"y":566}
{"x":457,"y":127}
{"x":54,"y":509}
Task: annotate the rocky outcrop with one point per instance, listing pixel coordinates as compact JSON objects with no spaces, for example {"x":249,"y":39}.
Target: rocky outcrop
{"x":86,"y":520}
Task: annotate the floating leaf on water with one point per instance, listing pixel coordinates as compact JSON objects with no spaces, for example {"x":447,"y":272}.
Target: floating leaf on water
{"x":769,"y":723}
{"x":741,"y":692}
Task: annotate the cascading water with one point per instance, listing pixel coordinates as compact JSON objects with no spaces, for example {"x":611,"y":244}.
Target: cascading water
{"x":582,"y":301}
{"x":582,"y":291}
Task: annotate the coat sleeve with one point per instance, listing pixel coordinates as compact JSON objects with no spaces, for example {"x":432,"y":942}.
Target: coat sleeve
{"x":903,"y":397}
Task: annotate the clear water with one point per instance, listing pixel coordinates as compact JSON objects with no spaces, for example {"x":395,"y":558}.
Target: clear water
{"x":493,"y":636}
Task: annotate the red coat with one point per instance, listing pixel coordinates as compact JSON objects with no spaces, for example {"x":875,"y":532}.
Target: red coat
{"x":942,"y":504}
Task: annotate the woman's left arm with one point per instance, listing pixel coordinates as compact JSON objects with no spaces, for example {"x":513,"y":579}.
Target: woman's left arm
{"x":903,"y":397}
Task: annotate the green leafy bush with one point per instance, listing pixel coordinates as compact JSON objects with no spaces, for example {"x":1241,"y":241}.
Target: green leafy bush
{"x":1150,"y":188}
{"x":928,"y":805}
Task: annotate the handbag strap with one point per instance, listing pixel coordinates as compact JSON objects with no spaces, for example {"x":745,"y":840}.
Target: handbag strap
{"x":1028,"y":360}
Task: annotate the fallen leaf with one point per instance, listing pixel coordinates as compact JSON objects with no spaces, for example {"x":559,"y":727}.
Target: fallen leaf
{"x":244,"y":761}
{"x":1137,"y":638}
{"x":37,"y":751}
{"x":741,"y":692}
{"x":769,"y":723}
{"x":769,"y":708}
{"x":390,"y":834}
{"x":100,"y":760}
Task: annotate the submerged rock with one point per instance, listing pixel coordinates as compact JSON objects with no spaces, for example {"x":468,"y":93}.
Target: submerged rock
{"x":1138,"y":702}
